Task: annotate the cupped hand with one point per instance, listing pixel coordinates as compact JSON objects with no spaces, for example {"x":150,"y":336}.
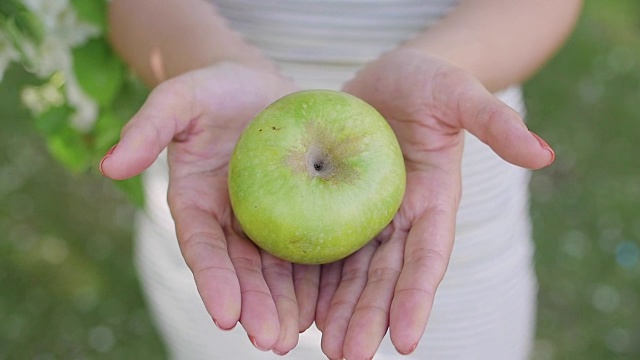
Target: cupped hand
{"x":390,"y":284}
{"x":199,"y":117}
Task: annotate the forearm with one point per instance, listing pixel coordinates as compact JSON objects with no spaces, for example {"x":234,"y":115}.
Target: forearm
{"x":162,"y":39}
{"x":501,"y":42}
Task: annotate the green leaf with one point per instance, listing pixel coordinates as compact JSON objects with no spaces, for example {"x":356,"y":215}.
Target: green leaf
{"x":92,"y":11}
{"x":130,"y":99}
{"x":99,"y":71}
{"x":107,"y":131}
{"x":53,"y":120}
{"x":70,"y":148}
{"x":16,"y":18}
{"x":30,"y":25}
{"x":18,"y":39}
{"x":10,"y":7}
{"x":134,"y":190}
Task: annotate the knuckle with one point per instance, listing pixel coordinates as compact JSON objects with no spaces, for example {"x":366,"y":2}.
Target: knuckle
{"x":383,"y":275}
{"x":247,"y":264}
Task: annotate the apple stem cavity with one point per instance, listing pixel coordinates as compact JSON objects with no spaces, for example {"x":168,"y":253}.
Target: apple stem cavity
{"x":319,"y":163}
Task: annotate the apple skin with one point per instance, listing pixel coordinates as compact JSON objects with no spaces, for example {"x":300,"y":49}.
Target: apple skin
{"x":315,"y":176}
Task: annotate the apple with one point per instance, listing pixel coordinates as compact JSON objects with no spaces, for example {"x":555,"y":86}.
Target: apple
{"x":315,"y":176}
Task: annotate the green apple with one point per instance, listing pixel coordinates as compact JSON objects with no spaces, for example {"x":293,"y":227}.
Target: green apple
{"x":315,"y":176}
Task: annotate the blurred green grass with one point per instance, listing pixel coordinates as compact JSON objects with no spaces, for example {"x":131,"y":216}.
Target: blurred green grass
{"x":586,"y":102}
{"x":68,"y":288}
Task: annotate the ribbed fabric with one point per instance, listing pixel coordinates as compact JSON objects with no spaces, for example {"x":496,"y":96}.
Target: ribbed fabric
{"x":321,"y":43}
{"x":485,"y":307}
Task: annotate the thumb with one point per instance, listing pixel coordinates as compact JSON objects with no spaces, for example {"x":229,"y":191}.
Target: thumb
{"x":499,"y":126}
{"x":166,"y":113}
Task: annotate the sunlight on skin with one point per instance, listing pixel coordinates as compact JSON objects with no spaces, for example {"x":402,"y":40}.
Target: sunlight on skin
{"x":156,"y":63}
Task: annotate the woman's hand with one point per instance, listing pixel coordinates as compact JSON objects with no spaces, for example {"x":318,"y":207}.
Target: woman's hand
{"x":199,"y":116}
{"x":391,"y":283}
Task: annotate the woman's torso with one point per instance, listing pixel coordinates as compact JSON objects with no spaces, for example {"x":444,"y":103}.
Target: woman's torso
{"x":485,"y":303}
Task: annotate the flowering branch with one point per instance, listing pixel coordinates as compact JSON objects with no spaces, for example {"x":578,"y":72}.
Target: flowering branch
{"x":85,"y":93}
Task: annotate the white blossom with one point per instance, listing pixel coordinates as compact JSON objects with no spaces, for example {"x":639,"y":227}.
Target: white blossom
{"x":60,"y":87}
{"x":61,"y":21}
{"x":54,"y":55}
{"x":39,"y":99}
{"x":86,"y":108}
{"x":63,"y":31}
{"x":46,"y":7}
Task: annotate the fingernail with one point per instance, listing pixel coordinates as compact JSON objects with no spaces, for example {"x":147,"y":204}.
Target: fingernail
{"x":106,"y":156}
{"x":413,"y":348}
{"x":545,"y":146}
{"x":280,"y":353}
{"x":222,"y":328}
{"x":255,"y":344}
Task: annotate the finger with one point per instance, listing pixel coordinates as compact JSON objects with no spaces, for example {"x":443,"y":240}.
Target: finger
{"x":370,"y":318}
{"x":352,"y":283}
{"x":306,"y":281}
{"x":259,"y":316}
{"x":279,"y":278}
{"x":427,"y":251}
{"x":204,"y":249}
{"x":329,"y":281}
{"x":499,"y":126}
{"x":167,"y":112}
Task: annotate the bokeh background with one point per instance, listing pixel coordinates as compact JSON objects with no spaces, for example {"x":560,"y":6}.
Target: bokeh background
{"x":68,"y":287}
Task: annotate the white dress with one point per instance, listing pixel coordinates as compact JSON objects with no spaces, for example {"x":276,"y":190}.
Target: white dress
{"x":485,"y":306}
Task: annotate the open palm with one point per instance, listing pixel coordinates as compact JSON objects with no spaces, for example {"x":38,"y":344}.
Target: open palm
{"x":200,"y":116}
{"x":391,"y":283}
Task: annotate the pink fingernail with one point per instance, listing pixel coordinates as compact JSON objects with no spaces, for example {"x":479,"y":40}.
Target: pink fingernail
{"x":222,"y":328}
{"x":255,"y":343}
{"x":413,"y":348}
{"x":545,"y":146}
{"x":280,"y":353}
{"x":106,"y":156}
